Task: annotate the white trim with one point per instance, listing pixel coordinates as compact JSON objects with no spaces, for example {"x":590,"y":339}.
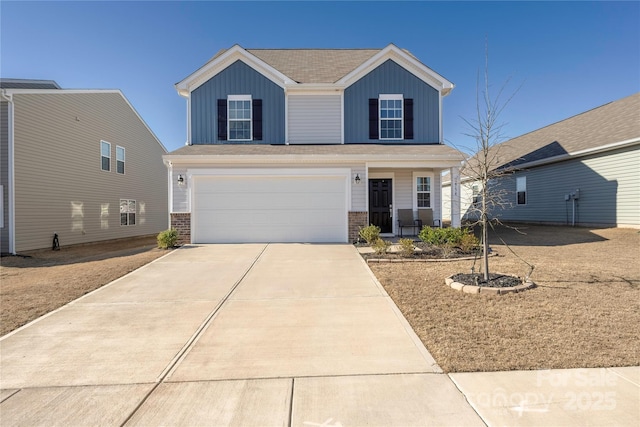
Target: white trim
{"x":124,"y":160}
{"x":342,"y":117}
{"x":219,"y":63}
{"x":11,"y":178}
{"x":440,"y":119}
{"x":390,"y":97}
{"x":403,"y":59}
{"x":229,"y":119}
{"x":523,"y":180}
{"x":414,"y":190}
{"x":392,"y":177}
{"x":102,"y":141}
{"x":189,"y":141}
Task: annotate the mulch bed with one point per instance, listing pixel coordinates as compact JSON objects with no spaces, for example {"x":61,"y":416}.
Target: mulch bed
{"x":495,"y":280}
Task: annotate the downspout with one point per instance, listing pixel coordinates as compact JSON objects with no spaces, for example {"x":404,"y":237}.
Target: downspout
{"x":10,"y":172}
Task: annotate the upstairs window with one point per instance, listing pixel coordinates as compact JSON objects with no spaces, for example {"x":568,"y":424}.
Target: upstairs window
{"x":127,"y":212}
{"x":423,"y":191}
{"x":521,"y":190}
{"x":119,"y":159}
{"x":105,"y":155}
{"x":390,"y":117}
{"x":239,"y":118}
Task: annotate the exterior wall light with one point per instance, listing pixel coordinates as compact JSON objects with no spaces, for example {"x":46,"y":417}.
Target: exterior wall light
{"x":357,"y":179}
{"x":180,"y":179}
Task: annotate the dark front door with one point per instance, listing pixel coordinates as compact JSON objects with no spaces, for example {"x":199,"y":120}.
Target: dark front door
{"x":380,"y":204}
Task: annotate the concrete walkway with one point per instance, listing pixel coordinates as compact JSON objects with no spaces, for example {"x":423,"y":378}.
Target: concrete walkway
{"x":279,"y":334}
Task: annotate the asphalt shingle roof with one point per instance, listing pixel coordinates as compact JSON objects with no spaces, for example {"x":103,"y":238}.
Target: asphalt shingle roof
{"x":614,"y":122}
{"x":417,"y":151}
{"x":28,"y":84}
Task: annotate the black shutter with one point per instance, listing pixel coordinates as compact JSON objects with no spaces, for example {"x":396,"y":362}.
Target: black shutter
{"x":373,"y":118}
{"x":408,"y":119}
{"x":222,"y":119}
{"x":257,"y":119}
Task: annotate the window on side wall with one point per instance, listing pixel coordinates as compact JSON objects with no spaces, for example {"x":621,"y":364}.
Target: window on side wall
{"x":239,"y":116}
{"x":119,"y":159}
{"x":105,"y":155}
{"x":391,"y":117}
{"x":521,"y":190}
{"x":423,"y":191}
{"x":127,"y":212}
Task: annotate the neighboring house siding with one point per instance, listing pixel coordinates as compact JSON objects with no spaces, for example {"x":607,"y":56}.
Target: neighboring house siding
{"x":4,"y":175}
{"x":60,"y":187}
{"x":608,"y":184}
{"x":390,"y":78}
{"x":314,"y":119}
{"x":237,"y":79}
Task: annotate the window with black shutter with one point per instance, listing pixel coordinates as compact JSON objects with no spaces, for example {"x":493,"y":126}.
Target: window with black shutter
{"x":222,"y":119}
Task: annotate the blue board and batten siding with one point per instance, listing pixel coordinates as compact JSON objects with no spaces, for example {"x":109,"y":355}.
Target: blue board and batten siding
{"x":608,"y":184}
{"x":390,"y":78}
{"x":237,"y":79}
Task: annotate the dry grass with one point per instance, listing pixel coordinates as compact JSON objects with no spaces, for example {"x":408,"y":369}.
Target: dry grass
{"x":44,"y":280}
{"x":585,"y":311}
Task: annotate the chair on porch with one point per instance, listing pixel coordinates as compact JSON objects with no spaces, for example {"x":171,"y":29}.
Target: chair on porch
{"x":425,"y":217}
{"x":405,"y":220}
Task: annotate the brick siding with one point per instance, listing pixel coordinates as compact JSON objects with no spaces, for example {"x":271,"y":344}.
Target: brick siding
{"x":182,"y":223}
{"x":357,"y":220}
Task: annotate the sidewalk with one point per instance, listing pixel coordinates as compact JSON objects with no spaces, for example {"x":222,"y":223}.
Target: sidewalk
{"x":299,"y":335}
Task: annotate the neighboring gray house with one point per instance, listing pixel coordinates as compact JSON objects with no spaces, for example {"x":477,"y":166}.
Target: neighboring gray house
{"x":584,"y":170}
{"x":307,"y":145}
{"x":79,"y":163}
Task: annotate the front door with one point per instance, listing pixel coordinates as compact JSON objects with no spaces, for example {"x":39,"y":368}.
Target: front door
{"x":380,"y":206}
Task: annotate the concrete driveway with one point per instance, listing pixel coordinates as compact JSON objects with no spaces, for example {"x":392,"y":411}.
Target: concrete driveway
{"x":278,"y":334}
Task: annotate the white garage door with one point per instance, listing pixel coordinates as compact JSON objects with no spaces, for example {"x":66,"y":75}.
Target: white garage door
{"x":267,"y":208}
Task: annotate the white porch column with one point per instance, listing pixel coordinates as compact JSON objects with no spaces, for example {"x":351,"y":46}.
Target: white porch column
{"x":455,"y":197}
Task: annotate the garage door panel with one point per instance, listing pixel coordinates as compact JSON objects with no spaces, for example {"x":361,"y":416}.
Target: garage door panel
{"x":270,"y":209}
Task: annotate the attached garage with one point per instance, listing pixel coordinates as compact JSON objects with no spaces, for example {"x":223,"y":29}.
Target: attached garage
{"x":270,"y":206}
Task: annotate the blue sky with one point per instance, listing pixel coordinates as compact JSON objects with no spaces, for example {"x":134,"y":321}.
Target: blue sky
{"x":566,"y":57}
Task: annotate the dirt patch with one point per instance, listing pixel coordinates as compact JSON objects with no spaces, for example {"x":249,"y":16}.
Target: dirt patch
{"x":41,"y":281}
{"x":584,"y":312}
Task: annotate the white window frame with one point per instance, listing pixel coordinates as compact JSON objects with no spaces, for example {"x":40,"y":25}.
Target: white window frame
{"x":521,"y":187}
{"x":128,"y":212}
{"x":103,"y":156}
{"x":414,"y":184}
{"x":124,"y":156}
{"x":391,"y":97}
{"x":229,"y":119}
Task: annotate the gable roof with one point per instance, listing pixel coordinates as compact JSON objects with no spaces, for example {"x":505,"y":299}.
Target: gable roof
{"x":297,"y":67}
{"x":603,"y":128}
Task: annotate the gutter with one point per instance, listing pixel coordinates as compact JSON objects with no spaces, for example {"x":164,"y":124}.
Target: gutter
{"x":10,"y":172}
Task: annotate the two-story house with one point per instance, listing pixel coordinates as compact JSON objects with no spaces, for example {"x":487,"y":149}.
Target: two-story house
{"x":307,"y":145}
{"x":79,"y":164}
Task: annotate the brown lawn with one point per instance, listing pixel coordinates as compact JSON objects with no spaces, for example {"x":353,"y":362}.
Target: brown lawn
{"x":41,"y":281}
{"x":585,"y":311}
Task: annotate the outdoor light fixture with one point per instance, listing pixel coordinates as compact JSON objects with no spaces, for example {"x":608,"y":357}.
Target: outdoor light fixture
{"x":357,"y":179}
{"x":180,"y":179}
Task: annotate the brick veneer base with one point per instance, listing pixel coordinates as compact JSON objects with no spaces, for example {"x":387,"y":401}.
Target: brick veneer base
{"x":182,"y":223}
{"x":357,"y":220}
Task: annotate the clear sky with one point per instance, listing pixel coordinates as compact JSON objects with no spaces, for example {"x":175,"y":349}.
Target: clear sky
{"x":566,"y":57}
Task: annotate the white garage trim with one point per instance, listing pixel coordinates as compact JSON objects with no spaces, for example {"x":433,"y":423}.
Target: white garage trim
{"x":275,"y":217}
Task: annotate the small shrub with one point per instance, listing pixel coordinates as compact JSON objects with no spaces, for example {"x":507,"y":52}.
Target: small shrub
{"x":468,"y":242}
{"x":406,"y":247}
{"x":370,"y":234}
{"x":167,"y":238}
{"x":381,"y":246}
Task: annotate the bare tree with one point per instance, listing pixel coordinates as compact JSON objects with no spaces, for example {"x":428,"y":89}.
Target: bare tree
{"x":483,"y":168}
